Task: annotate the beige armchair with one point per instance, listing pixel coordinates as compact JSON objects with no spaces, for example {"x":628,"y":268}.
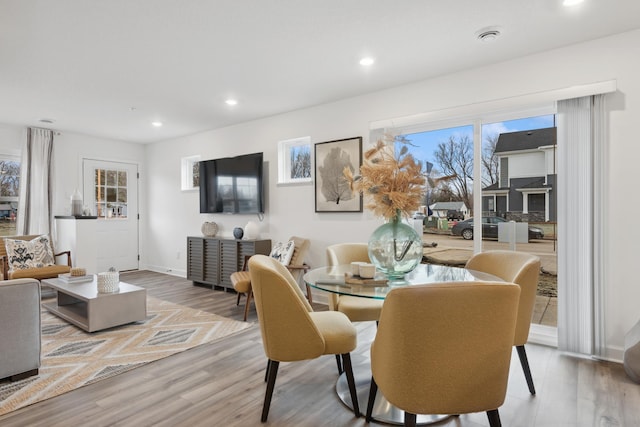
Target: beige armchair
{"x":20,"y":332}
{"x":425,"y":363}
{"x":291,"y":330}
{"x":241,"y":280}
{"x":523,"y":269}
{"x":356,"y":308}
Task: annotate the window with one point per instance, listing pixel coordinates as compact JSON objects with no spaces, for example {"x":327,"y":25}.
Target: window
{"x":9,"y":194}
{"x":190,"y":173}
{"x":294,"y":161}
{"x":111,"y":193}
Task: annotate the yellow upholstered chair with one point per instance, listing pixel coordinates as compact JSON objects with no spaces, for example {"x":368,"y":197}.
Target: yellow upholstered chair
{"x":356,"y":308}
{"x":241,"y":280}
{"x":523,"y":269}
{"x":291,"y":330}
{"x":445,"y":348}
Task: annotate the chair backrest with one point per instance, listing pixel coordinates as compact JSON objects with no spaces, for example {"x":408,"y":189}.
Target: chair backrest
{"x":516,"y":267}
{"x":288,"y":332}
{"x":445,"y":348}
{"x":345,"y":253}
{"x":301,"y":247}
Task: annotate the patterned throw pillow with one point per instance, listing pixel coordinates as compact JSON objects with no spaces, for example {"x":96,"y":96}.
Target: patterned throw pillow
{"x":23,"y":254}
{"x":283,"y":252}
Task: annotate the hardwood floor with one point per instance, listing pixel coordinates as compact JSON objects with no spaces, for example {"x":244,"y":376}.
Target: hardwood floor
{"x":222,"y":384}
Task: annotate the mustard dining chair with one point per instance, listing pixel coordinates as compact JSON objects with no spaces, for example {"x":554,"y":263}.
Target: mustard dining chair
{"x":356,"y":308}
{"x":523,"y":269}
{"x":291,"y":330}
{"x":445,"y":348}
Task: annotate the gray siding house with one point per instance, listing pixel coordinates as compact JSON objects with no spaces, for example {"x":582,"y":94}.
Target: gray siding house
{"x":527,"y":177}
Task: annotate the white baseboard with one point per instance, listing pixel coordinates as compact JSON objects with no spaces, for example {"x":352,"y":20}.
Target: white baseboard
{"x":165,"y":270}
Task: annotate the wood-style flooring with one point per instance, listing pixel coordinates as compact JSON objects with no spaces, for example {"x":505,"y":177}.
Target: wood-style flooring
{"x":222,"y":384}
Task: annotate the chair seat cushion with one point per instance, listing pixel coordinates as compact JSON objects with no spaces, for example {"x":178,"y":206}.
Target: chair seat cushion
{"x":339,"y":334}
{"x":241,"y":281}
{"x":47,"y":272}
{"x":360,"y":309}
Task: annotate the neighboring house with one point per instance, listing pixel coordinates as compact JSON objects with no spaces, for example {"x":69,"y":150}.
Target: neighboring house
{"x":527,"y":177}
{"x":440,"y":209}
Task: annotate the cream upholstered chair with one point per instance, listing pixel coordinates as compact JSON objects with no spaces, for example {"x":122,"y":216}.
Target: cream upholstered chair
{"x":445,"y":348}
{"x":241,"y":280}
{"x":356,"y":308}
{"x":291,"y":330}
{"x":523,"y":269}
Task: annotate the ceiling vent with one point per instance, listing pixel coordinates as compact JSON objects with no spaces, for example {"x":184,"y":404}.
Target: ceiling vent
{"x":488,"y":34}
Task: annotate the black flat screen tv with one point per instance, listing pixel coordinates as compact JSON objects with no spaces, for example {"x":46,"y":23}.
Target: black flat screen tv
{"x":232,"y":185}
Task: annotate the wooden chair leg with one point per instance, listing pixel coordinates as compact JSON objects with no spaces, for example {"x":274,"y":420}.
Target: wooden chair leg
{"x":522,"y":354}
{"x":346,"y":361}
{"x":246,"y":307}
{"x":409,"y":419}
{"x":339,"y":362}
{"x":271,"y":382}
{"x":373,"y":391}
{"x":309,"y":296}
{"x":238,"y":300}
{"x":494,"y":418}
{"x":266,"y":371}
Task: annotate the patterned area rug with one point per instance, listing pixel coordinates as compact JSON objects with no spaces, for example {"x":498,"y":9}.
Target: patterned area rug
{"x":72,"y":358}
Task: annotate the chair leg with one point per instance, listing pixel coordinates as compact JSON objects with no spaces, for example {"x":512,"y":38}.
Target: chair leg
{"x":525,"y":367}
{"x":246,"y":307}
{"x":266,"y":371}
{"x":346,"y":361}
{"x":238,"y":300}
{"x":494,"y":418}
{"x":339,"y":362}
{"x":373,"y":391}
{"x":409,"y":419}
{"x":309,"y":296}
{"x":273,"y":372}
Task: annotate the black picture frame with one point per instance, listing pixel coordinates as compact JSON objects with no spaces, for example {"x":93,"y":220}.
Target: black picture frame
{"x":332,"y":192}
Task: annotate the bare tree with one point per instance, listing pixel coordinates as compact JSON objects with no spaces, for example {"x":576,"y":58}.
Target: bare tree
{"x":300,"y":162}
{"x":9,"y":178}
{"x":490,"y":161}
{"x":455,"y":158}
{"x":335,"y":187}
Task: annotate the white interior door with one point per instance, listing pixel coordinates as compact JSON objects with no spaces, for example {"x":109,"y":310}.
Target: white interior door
{"x":111,"y":191}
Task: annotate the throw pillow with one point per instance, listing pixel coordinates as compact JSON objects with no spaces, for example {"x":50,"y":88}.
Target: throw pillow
{"x":283,"y":252}
{"x":23,"y":254}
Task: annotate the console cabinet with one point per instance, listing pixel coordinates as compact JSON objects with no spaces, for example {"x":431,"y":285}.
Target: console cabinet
{"x":211,"y":260}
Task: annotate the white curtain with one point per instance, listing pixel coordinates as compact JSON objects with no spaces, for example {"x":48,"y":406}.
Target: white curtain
{"x":582,"y":166}
{"x":34,"y":210}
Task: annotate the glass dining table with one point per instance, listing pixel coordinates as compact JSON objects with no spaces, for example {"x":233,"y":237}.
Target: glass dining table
{"x":338,"y":279}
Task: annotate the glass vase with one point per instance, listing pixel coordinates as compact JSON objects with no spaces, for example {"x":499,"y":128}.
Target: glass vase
{"x":395,"y":248}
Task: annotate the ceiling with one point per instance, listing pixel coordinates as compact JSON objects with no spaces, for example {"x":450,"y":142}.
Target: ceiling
{"x":110,"y":68}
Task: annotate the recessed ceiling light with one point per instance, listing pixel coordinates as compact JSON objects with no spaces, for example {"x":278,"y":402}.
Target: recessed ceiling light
{"x":231,"y":102}
{"x":48,"y":121}
{"x":569,"y":3}
{"x":488,"y":34}
{"x":367,"y":61}
{"x":156,"y":124}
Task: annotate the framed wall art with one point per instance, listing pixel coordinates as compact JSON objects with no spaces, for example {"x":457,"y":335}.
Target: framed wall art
{"x":295,"y":161}
{"x":332,"y":189}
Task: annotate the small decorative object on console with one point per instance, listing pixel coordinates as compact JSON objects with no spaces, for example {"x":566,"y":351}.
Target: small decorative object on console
{"x":209,"y":228}
{"x":238,"y":232}
{"x":109,"y":281}
{"x":251,"y":230}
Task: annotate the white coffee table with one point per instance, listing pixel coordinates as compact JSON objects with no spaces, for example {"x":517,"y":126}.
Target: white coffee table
{"x":82,"y":304}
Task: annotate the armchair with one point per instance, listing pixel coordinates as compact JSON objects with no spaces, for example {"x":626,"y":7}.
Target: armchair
{"x":45,"y":272}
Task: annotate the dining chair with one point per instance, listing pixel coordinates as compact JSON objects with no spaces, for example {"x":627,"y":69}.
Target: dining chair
{"x":291,"y":330}
{"x":241,"y":280}
{"x":445,"y":348}
{"x":523,"y":269}
{"x":356,"y":308}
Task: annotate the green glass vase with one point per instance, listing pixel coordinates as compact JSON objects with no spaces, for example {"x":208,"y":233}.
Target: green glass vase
{"x":395,"y":248}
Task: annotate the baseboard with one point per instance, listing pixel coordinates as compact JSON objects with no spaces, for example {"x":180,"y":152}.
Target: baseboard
{"x":166,"y":270}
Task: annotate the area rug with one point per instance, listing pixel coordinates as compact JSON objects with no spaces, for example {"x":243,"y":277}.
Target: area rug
{"x":72,"y":358}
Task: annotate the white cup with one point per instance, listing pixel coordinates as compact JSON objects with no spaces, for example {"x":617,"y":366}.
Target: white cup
{"x":355,"y":267}
{"x":367,"y":271}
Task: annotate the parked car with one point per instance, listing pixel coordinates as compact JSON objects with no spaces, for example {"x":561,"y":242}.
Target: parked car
{"x":489,"y":228}
{"x":454,"y":215}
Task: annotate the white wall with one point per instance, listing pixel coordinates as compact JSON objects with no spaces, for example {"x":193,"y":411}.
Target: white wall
{"x":173,"y":214}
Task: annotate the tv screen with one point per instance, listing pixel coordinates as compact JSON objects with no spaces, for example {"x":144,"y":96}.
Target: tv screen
{"x":232,"y":185}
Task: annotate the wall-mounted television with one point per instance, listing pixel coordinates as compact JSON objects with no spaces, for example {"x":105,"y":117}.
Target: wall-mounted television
{"x":232,"y":185}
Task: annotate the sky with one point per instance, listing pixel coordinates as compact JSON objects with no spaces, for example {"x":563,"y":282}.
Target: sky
{"x":425,"y":143}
